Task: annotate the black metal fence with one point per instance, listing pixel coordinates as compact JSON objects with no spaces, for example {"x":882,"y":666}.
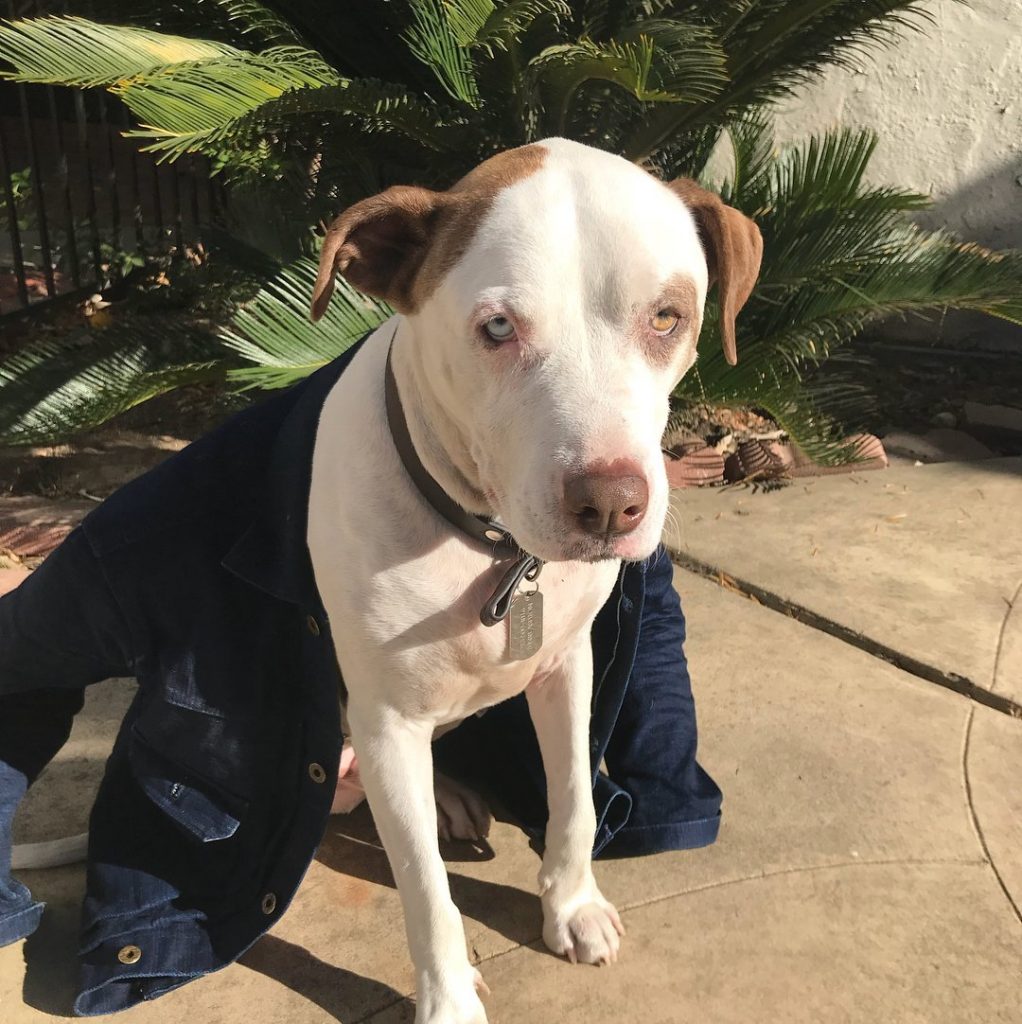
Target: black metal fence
{"x":80,"y":201}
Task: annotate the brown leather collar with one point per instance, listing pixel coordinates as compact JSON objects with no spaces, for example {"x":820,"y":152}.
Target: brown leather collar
{"x":484,"y":531}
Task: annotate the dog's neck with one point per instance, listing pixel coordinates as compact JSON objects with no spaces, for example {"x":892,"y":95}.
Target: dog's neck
{"x":440,"y":441}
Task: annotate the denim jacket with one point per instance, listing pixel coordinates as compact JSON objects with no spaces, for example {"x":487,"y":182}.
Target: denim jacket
{"x":196,"y":579}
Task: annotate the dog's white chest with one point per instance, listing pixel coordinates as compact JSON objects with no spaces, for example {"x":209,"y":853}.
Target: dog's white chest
{"x":430,"y":631}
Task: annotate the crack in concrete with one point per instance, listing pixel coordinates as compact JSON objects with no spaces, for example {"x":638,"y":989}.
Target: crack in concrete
{"x":537,"y":942}
{"x":976,"y":826}
{"x":1001,"y":634}
{"x":913,"y":666}
{"x":806,"y":869}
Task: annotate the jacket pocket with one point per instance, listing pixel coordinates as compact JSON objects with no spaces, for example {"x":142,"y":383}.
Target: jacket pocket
{"x":181,"y":760}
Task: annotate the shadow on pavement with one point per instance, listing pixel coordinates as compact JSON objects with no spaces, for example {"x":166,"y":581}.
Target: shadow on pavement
{"x":51,"y":952}
{"x":356,"y":851}
{"x":344,"y":995}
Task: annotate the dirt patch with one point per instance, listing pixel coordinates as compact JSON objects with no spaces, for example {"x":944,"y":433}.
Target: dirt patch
{"x":916,"y":389}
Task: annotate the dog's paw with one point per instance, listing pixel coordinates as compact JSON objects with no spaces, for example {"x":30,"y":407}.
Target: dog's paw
{"x":442,"y":1003}
{"x":588,"y":932}
{"x":460,"y":812}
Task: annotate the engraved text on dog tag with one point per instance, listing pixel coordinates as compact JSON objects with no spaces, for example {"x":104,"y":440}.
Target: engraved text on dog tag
{"x":525,"y":621}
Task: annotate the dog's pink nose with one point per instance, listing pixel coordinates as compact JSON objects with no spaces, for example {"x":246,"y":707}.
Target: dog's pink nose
{"x":605,"y":503}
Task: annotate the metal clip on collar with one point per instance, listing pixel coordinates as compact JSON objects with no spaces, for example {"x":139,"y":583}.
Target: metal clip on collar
{"x":525,"y":567}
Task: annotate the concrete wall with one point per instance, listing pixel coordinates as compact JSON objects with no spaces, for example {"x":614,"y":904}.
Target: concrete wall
{"x":947,"y":105}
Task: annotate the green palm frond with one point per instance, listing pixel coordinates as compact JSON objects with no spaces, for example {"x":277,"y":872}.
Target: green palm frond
{"x":74,"y":51}
{"x":186,"y":107}
{"x":377,"y":106}
{"x":440,"y":36}
{"x":466,"y":18}
{"x":257,"y":20}
{"x":274,"y":335}
{"x":186,"y":94}
{"x":838,"y":256}
{"x":800,"y":37}
{"x":605,"y":19}
{"x":834,"y":241}
{"x":506,"y":23}
{"x":752,"y":150}
{"x":775,"y":46}
{"x":660,"y":62}
{"x":55,"y":389}
{"x":688,"y":63}
{"x":917,"y":271}
{"x":827,"y":171}
{"x":782,"y":338}
{"x":827,"y":234}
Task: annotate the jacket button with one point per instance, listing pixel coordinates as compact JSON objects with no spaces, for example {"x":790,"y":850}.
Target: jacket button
{"x":129,"y":954}
{"x":269,"y":903}
{"x":316,"y":773}
{"x":312,"y":625}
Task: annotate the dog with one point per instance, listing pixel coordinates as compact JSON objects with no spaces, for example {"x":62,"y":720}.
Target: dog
{"x":480,"y":470}
{"x":547,"y":305}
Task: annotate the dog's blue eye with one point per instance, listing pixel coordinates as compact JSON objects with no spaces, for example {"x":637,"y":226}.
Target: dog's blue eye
{"x":499,"y":328}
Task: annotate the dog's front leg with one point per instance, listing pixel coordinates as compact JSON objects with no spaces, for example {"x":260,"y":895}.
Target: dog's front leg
{"x":577,"y":921}
{"x":396,"y":764}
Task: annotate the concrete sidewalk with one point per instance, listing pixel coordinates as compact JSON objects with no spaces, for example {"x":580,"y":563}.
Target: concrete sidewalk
{"x":925,"y":561}
{"x":870,"y":863}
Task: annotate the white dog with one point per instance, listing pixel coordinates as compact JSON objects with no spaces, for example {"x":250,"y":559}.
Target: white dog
{"x":548,"y":304}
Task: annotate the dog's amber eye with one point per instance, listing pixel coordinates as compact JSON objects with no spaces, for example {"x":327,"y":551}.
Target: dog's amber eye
{"x":499,"y":328}
{"x":664,"y":321}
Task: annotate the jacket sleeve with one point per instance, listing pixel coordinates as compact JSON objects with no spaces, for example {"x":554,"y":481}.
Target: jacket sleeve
{"x":62,"y":627}
{"x":59,"y":631}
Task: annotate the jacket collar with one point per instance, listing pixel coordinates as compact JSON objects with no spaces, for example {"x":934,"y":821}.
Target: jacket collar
{"x":272,"y":553}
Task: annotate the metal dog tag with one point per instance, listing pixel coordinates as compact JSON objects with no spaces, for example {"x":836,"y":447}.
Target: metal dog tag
{"x":525,"y":626}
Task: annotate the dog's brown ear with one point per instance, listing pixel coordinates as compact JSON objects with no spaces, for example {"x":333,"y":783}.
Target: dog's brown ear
{"x":378,"y":245}
{"x":734,"y":249}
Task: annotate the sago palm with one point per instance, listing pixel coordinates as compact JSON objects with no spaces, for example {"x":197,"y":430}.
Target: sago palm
{"x":307,"y":107}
